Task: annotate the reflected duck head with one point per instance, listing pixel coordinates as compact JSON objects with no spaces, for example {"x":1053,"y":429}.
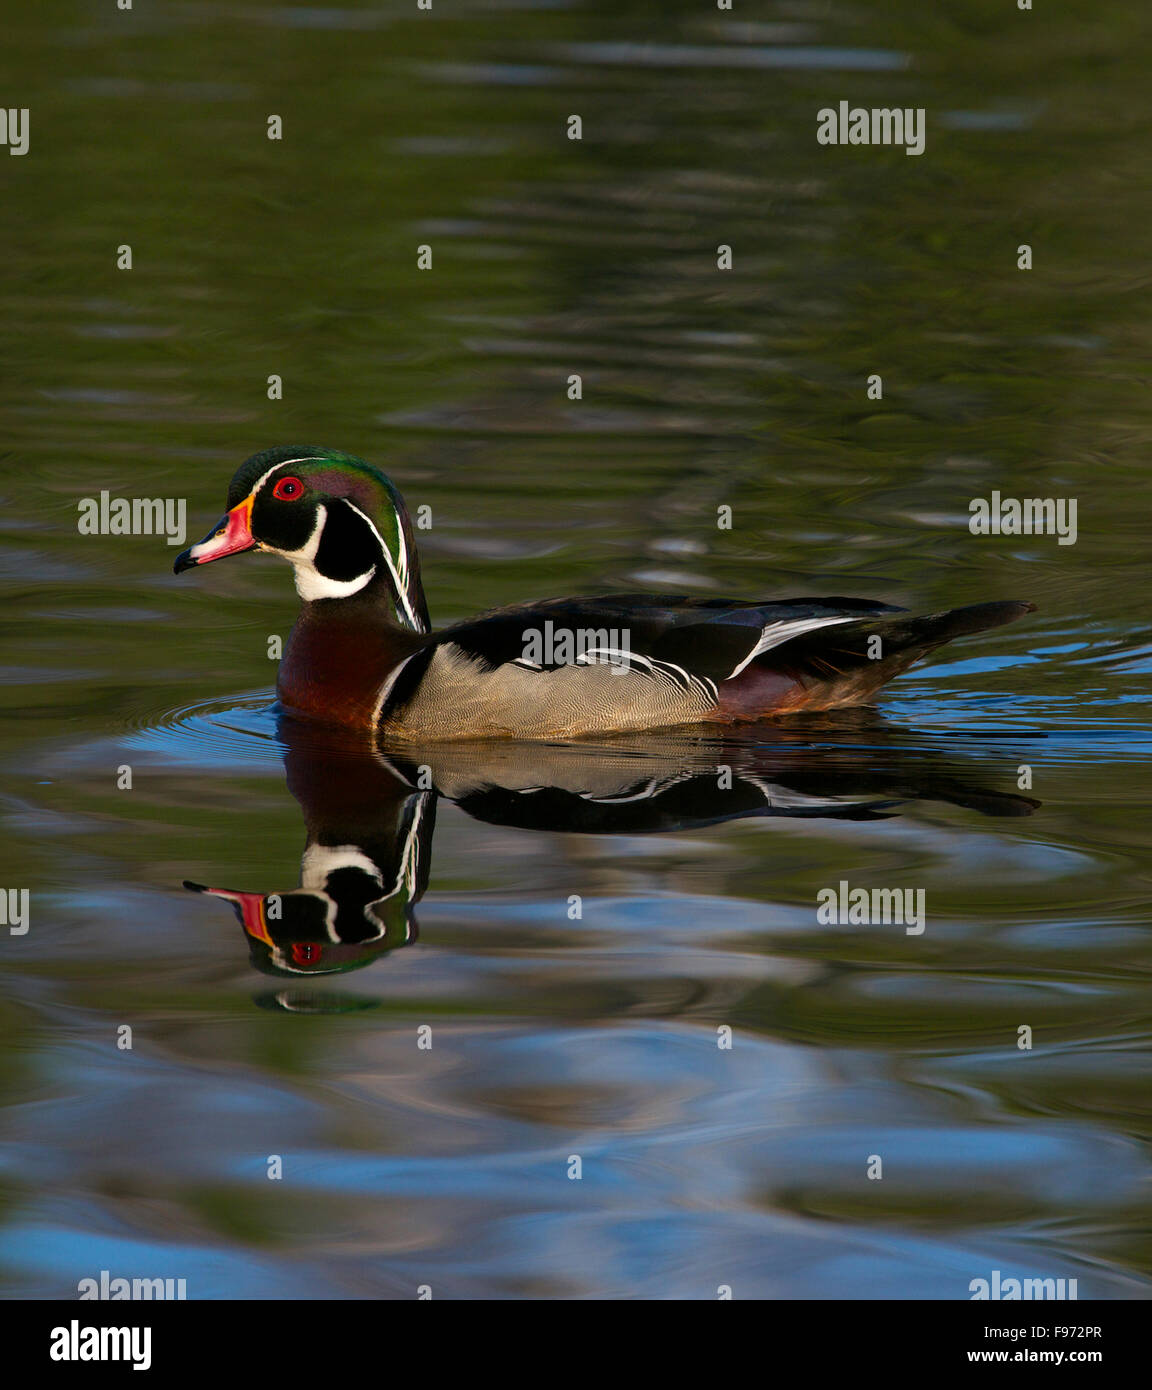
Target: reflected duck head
{"x":345,"y":915}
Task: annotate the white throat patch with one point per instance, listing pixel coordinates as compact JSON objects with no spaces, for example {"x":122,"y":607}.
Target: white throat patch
{"x":310,"y":583}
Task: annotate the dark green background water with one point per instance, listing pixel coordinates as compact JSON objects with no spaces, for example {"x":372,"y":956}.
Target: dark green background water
{"x":701,"y":388}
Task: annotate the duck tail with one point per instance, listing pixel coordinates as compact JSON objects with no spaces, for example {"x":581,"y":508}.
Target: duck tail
{"x":848,"y":662}
{"x":937,"y":628}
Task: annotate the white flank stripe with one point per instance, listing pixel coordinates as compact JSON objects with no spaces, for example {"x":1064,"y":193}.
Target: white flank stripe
{"x":383,"y":700}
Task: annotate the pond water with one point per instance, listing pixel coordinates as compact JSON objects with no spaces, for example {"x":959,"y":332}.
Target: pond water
{"x":428,"y":1101}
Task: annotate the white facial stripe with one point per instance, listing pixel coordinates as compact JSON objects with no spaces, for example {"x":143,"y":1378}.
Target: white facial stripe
{"x":399,"y":571}
{"x":284,"y":464}
{"x":310,"y":583}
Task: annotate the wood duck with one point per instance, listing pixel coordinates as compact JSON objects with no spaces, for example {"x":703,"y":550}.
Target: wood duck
{"x":362,"y":652}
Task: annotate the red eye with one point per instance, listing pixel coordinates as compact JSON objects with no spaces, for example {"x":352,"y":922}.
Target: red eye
{"x":288,"y":489}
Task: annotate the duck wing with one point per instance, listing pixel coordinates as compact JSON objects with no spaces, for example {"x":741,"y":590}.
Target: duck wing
{"x":704,"y":637}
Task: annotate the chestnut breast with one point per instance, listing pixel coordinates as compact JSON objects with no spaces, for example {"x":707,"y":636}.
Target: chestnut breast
{"x":339,"y":658}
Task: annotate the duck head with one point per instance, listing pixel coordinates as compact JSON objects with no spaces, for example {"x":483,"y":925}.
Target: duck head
{"x":338,"y":521}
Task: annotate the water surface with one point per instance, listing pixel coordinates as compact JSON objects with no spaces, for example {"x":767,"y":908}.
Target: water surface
{"x":554,"y":1036}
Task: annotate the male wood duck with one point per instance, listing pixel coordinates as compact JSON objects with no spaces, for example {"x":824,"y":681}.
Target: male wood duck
{"x":362,"y":651}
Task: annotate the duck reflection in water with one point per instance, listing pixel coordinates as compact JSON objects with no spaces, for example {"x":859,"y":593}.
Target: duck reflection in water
{"x":370,"y":811}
